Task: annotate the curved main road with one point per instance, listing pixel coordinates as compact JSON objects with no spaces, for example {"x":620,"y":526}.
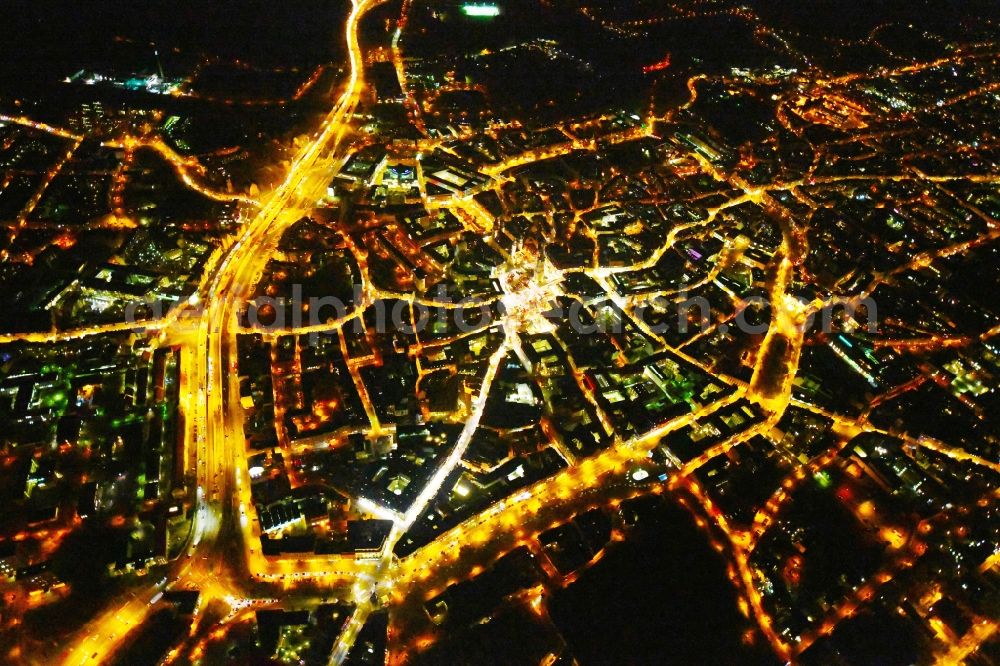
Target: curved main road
{"x":216,"y":555}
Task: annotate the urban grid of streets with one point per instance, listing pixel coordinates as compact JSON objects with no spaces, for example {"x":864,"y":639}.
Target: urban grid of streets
{"x":223,"y":560}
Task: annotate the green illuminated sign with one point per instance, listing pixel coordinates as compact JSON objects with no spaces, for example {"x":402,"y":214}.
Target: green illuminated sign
{"x":481,"y":11}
